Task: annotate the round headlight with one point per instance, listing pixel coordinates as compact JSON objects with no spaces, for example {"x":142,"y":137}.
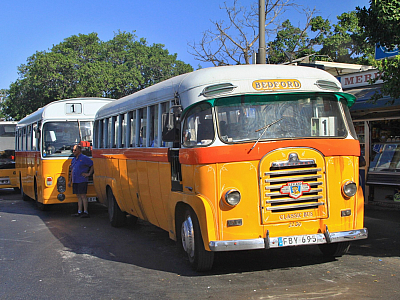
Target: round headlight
{"x":232,"y":197}
{"x":349,"y":189}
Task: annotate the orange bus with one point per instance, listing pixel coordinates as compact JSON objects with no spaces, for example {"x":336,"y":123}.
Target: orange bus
{"x":44,"y":141}
{"x":234,"y":158}
{"x":8,"y":173}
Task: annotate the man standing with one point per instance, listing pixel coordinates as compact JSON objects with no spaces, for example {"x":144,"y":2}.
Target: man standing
{"x":81,"y":169}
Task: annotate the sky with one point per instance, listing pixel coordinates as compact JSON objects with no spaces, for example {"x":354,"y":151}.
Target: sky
{"x":28,"y":26}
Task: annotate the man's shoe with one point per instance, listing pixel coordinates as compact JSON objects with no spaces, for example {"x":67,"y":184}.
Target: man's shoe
{"x":85,"y":215}
{"x":76,"y":215}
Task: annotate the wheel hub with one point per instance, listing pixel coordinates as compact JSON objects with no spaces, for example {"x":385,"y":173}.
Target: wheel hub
{"x":187,"y":234}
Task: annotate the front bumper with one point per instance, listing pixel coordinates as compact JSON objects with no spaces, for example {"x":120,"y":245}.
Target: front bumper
{"x":274,"y":242}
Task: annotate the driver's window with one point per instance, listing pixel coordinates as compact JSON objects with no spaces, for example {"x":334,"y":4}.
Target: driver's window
{"x":198,"y":128}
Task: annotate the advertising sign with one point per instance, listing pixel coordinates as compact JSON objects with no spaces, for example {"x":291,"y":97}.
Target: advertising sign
{"x":381,"y":52}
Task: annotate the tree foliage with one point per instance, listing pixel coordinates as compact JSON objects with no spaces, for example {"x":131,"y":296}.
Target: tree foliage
{"x":381,"y":24}
{"x":292,"y":42}
{"x":84,"y":66}
{"x":346,"y":43}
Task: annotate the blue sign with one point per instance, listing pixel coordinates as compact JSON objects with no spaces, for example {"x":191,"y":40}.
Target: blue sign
{"x":381,"y":52}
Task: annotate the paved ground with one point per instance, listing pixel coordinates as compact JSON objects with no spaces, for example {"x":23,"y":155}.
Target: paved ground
{"x":51,"y":255}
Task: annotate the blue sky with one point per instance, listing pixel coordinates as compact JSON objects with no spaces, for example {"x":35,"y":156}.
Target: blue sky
{"x":28,"y":26}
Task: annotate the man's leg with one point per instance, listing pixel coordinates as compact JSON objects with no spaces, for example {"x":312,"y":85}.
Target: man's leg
{"x":80,"y":203}
{"x":85,"y":203}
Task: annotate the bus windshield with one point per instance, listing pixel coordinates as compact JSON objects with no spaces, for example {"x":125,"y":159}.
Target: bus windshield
{"x":59,"y":137}
{"x":7,"y":145}
{"x":281,"y":116}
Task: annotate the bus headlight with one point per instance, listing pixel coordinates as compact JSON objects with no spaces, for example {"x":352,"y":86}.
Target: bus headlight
{"x":349,"y":188}
{"x":232,"y":197}
{"x":61,"y":184}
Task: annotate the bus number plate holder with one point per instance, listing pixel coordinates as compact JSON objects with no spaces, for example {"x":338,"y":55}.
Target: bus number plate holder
{"x":296,"y":240}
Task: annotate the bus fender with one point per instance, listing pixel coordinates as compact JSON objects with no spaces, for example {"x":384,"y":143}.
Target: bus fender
{"x":112,"y":184}
{"x":205,"y":214}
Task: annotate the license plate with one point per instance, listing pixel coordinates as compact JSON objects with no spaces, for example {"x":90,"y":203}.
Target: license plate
{"x":298,"y":240}
{"x":92,"y":199}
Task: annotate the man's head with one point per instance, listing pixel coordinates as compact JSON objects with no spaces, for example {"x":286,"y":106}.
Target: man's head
{"x":77,"y":150}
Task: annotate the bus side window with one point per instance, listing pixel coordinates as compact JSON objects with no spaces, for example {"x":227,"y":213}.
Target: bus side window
{"x":121,"y":131}
{"x":105,"y":133}
{"x":113,"y":132}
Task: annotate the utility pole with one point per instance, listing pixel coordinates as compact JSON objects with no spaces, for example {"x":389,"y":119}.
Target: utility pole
{"x":262,"y":58}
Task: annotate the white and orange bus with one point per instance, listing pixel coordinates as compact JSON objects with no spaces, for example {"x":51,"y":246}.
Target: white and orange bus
{"x":44,"y":141}
{"x":8,"y":173}
{"x":247,"y":157}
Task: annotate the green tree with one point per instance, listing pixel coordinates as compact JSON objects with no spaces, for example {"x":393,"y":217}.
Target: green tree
{"x":84,"y":66}
{"x":346,"y":42}
{"x":381,"y":24}
{"x":341,"y":42}
{"x":292,"y":42}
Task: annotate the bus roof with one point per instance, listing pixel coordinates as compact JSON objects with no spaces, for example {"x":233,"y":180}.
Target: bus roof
{"x":66,"y":109}
{"x":240,"y":79}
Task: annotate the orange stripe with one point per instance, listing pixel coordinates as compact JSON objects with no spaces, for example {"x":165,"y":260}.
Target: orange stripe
{"x":240,"y":152}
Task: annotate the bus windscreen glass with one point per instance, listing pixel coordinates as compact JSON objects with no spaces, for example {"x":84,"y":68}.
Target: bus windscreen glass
{"x":60,"y":137}
{"x":282,"y":116}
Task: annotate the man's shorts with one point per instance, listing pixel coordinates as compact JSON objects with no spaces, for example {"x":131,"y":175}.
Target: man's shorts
{"x":79,"y":188}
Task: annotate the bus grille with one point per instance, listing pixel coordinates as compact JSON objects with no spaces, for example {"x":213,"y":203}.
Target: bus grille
{"x":309,"y":188}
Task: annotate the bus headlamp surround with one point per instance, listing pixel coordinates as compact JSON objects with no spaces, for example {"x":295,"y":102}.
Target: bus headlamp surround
{"x":232,"y":197}
{"x":61,"y":184}
{"x":349,"y":189}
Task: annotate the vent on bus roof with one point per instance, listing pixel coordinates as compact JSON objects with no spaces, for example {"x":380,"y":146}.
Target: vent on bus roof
{"x":216,"y":89}
{"x":327,"y":85}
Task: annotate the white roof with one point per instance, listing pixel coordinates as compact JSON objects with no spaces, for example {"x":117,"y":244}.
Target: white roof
{"x":57,"y":110}
{"x":190,"y":86}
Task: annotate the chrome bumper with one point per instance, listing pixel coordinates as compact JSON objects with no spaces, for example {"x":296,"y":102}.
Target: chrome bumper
{"x":268,"y":242}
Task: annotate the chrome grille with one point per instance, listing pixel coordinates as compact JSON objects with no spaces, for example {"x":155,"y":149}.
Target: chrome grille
{"x":274,"y":179}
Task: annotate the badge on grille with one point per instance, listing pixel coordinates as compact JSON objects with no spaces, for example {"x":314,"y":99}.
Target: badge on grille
{"x":295,"y":189}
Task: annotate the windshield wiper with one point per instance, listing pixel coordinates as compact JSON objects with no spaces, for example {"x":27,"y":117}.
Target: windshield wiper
{"x":265,"y":129}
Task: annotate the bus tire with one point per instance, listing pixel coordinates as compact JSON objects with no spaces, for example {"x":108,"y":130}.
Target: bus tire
{"x":116,"y":216}
{"x":24,"y":196}
{"x":39,"y":205}
{"x":334,"y":249}
{"x":192,"y":243}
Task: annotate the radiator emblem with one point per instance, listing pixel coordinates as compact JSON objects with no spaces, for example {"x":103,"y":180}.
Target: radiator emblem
{"x":295,"y":189}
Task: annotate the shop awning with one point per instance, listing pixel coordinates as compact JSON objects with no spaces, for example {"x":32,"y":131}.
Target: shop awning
{"x":365,"y":108}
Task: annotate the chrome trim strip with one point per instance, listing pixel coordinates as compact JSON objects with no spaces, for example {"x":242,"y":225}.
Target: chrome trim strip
{"x":285,"y":200}
{"x":346,"y":236}
{"x":302,"y":198}
{"x":237,"y":245}
{"x":293,"y":178}
{"x":290,"y":172}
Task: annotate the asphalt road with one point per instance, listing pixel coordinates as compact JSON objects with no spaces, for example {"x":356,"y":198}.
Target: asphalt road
{"x":51,"y":255}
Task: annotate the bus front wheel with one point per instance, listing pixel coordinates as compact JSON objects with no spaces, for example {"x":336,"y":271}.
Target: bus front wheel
{"x":192,"y":243}
{"x":334,"y":249}
{"x":116,"y":216}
